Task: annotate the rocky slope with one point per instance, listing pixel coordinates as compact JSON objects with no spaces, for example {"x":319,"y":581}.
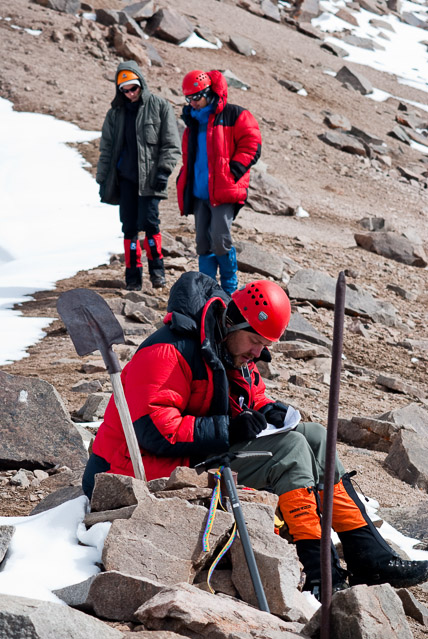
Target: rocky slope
{"x":67,"y":71}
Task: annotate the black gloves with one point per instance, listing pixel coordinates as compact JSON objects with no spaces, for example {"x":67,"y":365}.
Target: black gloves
{"x":247,"y":425}
{"x":275,"y":414}
{"x":161,"y":180}
{"x":102,"y":191}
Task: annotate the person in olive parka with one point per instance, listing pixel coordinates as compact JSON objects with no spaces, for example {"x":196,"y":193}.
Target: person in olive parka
{"x":139,"y":148}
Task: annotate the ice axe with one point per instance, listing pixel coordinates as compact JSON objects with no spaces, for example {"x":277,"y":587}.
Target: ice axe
{"x":330,"y":456}
{"x":92,"y":326}
{"x":224,"y":462}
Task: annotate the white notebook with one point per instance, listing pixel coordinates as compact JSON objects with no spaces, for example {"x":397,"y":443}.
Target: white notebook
{"x":291,"y":419}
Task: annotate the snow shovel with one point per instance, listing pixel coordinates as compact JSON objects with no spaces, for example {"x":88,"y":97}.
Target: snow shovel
{"x":92,"y":326}
{"x":330,"y":456}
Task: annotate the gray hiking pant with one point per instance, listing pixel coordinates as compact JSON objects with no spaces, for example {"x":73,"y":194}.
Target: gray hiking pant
{"x":212,"y":226}
{"x":297,"y":460}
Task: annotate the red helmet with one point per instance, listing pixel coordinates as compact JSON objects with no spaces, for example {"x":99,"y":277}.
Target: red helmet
{"x":195,"y":81}
{"x":265,"y":306}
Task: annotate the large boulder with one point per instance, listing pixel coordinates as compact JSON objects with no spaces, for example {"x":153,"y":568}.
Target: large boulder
{"x":253,"y":259}
{"x":364,"y":612}
{"x":162,"y":540}
{"x":269,"y":195}
{"x":22,"y":618}
{"x":300,"y":329}
{"x":64,"y":6}
{"x":37,"y":431}
{"x":378,"y":432}
{"x":393,"y":246}
{"x":277,"y":564}
{"x":169,"y":25}
{"x":319,"y":288}
{"x":193,"y":613}
{"x":408,"y":457}
{"x":110,"y":595}
{"x":354,"y":80}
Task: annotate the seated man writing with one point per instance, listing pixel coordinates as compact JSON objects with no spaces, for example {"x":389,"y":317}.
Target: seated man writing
{"x":194,"y":391}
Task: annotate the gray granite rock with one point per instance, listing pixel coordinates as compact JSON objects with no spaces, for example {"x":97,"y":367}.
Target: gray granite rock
{"x":6,"y":534}
{"x":37,"y":430}
{"x":393,"y":246}
{"x":110,"y":595}
{"x":22,"y":618}
{"x":319,"y":288}
{"x":190,"y":611}
{"x":364,"y":612}
{"x":354,"y":79}
{"x":299,"y":328}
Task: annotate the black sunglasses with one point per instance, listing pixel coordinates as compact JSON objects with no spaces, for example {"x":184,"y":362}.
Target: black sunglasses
{"x":196,"y":96}
{"x":131,"y":90}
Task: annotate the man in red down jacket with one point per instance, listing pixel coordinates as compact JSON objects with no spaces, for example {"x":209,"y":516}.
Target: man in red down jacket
{"x":220,"y":144}
{"x":194,"y":391}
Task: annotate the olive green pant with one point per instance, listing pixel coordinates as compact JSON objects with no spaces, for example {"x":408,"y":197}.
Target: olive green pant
{"x":297,"y":460}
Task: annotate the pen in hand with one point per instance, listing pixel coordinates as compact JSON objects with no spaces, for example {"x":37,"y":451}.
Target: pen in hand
{"x":241,"y":403}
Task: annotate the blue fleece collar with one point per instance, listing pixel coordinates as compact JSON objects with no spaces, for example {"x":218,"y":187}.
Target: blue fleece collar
{"x":202,"y":115}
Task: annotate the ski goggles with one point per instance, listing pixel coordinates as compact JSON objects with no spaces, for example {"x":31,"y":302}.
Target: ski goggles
{"x":196,"y":96}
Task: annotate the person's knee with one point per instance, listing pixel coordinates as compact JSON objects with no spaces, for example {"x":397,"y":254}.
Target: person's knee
{"x":314,"y":432}
{"x":292,"y":441}
{"x":95,"y":465}
{"x":220,"y":245}
{"x":88,"y":482}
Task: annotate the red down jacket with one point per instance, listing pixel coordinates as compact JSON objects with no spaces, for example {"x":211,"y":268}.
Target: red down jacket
{"x":179,"y":393}
{"x":233,"y":142}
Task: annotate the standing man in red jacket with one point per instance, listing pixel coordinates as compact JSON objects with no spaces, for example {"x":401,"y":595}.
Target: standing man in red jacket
{"x":220,"y":144}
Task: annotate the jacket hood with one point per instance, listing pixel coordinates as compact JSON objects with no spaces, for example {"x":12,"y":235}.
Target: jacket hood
{"x":219,"y":87}
{"x":188,"y":298}
{"x":119,"y":99}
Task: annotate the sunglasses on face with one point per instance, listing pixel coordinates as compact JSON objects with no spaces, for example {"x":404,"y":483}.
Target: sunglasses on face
{"x":196,"y":96}
{"x":131,"y":89}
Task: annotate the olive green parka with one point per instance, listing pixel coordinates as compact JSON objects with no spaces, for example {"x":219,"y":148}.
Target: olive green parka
{"x":158,"y":141}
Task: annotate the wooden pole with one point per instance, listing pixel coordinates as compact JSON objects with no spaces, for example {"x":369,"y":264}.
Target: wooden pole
{"x":330,"y":457}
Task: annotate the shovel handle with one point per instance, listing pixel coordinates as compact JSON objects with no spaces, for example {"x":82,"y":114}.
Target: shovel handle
{"x":128,"y":427}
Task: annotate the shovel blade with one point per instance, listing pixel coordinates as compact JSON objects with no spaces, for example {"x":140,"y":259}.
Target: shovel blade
{"x":89,"y":321}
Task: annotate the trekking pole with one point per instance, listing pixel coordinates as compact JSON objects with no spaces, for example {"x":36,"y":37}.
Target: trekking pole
{"x":91,"y":324}
{"x":330,"y":456}
{"x":232,"y":493}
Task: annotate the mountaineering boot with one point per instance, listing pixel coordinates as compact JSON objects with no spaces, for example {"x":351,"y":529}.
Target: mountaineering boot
{"x":153,"y":247}
{"x":370,"y":562}
{"x":134,"y":267}
{"x":300,"y":510}
{"x":208,"y":264}
{"x":369,"y":558}
{"x":157,"y":278}
{"x":157,"y":273}
{"x":228,"y":271}
{"x":309,"y":552}
{"x":134,"y":278}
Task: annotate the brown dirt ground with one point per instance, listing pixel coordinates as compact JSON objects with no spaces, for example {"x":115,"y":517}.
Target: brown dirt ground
{"x":337,"y":189}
